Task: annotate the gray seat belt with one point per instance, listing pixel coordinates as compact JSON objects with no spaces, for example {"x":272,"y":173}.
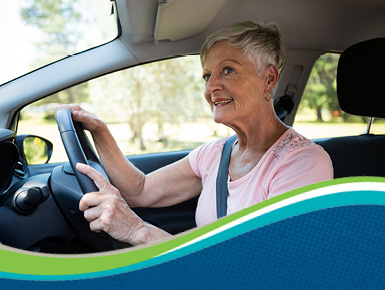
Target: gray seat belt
{"x":222,"y":177}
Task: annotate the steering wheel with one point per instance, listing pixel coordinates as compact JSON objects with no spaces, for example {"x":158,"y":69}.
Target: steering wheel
{"x":79,"y":150}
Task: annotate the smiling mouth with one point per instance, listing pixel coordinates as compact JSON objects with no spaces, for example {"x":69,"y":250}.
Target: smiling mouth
{"x":222,"y":102}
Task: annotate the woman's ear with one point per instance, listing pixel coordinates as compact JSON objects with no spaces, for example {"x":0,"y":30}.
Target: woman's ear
{"x":272,"y":77}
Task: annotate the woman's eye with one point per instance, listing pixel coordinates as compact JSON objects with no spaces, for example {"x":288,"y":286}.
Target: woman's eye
{"x":227,"y":70}
{"x":206,"y":77}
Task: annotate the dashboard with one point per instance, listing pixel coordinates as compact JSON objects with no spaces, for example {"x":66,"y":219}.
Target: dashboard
{"x":9,"y":158}
{"x":29,"y":216}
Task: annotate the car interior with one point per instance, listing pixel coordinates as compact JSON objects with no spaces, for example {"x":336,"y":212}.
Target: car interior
{"x":359,"y":155}
{"x":39,"y":203}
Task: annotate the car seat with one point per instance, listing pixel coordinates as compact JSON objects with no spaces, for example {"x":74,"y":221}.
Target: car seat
{"x":283,"y":106}
{"x":361,"y":92}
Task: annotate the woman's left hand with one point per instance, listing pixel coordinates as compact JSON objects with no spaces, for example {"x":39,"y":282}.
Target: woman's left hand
{"x":107,"y":211}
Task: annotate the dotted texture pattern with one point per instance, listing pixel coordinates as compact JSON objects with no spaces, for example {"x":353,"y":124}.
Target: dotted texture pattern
{"x":335,"y":248}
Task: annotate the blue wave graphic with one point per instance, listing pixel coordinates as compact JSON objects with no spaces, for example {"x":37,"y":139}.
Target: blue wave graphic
{"x":306,"y":206}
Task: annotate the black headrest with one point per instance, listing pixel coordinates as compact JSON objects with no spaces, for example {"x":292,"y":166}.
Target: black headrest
{"x":283,"y":106}
{"x":361,"y":79}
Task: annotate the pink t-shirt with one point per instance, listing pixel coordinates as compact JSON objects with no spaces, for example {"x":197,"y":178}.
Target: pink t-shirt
{"x":292,"y":162}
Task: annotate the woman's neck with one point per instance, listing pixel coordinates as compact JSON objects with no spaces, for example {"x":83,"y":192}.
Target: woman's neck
{"x":261,"y":136}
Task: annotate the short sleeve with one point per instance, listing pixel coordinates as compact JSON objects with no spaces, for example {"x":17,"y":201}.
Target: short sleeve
{"x":305,"y":166}
{"x":193,"y":158}
{"x":204,"y":157}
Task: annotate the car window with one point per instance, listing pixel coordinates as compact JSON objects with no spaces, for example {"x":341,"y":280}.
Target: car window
{"x":155,"y":107}
{"x":35,"y":33}
{"x":319,"y":114}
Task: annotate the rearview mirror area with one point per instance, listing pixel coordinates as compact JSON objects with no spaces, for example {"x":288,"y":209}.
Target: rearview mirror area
{"x":34,"y":149}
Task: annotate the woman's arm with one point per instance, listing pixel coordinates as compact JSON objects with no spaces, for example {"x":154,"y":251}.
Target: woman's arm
{"x":301,"y":167}
{"x":167,"y":186}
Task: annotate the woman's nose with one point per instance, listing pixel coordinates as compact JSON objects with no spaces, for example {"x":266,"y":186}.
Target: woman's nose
{"x":213,"y":85}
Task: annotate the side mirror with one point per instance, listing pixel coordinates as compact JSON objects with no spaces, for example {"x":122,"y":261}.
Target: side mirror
{"x":34,"y":149}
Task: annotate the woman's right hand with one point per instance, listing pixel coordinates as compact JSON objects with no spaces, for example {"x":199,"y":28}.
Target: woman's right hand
{"x":89,"y":121}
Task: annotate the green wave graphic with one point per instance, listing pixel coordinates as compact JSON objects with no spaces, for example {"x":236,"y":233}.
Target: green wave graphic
{"x":22,"y":265}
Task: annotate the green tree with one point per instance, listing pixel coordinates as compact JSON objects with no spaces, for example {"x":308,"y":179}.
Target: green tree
{"x":164,"y":92}
{"x":58,"y":21}
{"x":60,"y":24}
{"x":320,"y":92}
{"x":178,"y":83}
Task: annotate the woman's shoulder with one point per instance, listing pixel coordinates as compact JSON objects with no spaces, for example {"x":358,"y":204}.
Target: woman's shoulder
{"x":216,"y":144}
{"x":291,"y":141}
{"x":206,"y":155}
{"x":211,"y":149}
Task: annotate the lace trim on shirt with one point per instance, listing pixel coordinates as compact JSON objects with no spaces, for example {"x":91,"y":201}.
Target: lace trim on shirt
{"x":290,"y":142}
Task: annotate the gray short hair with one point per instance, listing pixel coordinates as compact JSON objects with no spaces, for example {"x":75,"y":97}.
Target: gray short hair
{"x":260,"y":42}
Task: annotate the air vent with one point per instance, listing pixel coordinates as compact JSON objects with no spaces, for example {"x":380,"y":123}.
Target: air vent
{"x":21,"y":169}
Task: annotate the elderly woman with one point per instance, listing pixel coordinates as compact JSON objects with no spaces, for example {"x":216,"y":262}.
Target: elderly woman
{"x":241,"y":66}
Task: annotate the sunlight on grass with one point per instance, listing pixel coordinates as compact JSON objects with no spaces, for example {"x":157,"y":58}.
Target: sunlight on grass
{"x":185,"y":136}
{"x":306,"y":125}
{"x":189,"y":135}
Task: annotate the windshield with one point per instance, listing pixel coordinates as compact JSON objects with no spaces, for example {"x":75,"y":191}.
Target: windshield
{"x":35,"y":33}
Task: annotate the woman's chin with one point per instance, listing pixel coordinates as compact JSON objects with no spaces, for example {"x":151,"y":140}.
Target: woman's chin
{"x":219,"y":118}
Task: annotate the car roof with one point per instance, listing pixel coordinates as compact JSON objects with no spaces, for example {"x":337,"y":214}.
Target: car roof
{"x":329,"y":25}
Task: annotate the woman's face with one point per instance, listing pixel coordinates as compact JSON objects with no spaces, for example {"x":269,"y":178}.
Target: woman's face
{"x":232,"y":87}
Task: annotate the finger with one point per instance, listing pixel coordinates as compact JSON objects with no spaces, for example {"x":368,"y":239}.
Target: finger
{"x":96,"y":226}
{"x":80,"y":116}
{"x":89,"y":200}
{"x":99,"y":180}
{"x":90,"y":121}
{"x":103,"y":221}
{"x":92,"y":213}
{"x":74,"y":108}
{"x":71,"y":107}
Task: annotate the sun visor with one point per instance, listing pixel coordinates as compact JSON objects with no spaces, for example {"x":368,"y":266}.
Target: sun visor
{"x":178,"y":19}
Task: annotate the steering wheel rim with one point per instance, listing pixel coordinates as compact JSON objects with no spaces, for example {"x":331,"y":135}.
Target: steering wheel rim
{"x":79,"y":149}
{"x":76,"y":144}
